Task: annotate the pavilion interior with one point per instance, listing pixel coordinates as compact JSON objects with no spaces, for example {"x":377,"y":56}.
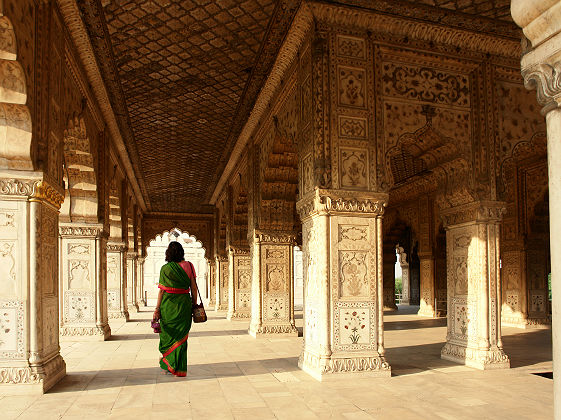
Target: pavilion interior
{"x":299,"y":150}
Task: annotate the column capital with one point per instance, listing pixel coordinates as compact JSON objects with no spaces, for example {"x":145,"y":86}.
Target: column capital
{"x":34,"y":188}
{"x":83,"y":230}
{"x":324,"y":201}
{"x":116,"y":246}
{"x":546,"y":79}
{"x":238,"y":250}
{"x":478,"y":211}
{"x":274,"y":237}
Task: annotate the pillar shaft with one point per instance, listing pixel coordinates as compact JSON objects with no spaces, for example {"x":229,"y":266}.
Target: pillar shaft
{"x":221,"y":303}
{"x":272,"y":265}
{"x":239,"y":283}
{"x":83,"y":283}
{"x":427,"y":295}
{"x":30,"y":360}
{"x":117,"y":281}
{"x":211,"y":276}
{"x":132,"y":297}
{"x":140,"y":281}
{"x":389,"y":281}
{"x":474,"y":328}
{"x":553,"y":119}
{"x":343,"y":302}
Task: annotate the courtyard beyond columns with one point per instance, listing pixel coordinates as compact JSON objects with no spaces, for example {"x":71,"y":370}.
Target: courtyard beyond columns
{"x":232,"y":375}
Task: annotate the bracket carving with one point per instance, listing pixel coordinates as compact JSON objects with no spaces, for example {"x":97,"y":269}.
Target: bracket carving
{"x":546,"y":79}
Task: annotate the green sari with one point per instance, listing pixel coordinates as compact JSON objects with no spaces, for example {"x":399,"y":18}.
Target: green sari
{"x":175,"y":323}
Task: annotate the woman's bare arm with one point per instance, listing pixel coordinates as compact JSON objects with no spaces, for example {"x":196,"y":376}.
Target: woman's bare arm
{"x":158,"y":303}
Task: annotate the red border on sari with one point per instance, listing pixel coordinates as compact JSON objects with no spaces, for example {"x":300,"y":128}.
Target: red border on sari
{"x":169,"y":351}
{"x":174,"y":290}
{"x":172,"y":370}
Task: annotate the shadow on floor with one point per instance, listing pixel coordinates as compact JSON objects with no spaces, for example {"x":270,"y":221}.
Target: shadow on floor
{"x":390,"y":325}
{"x":528,"y":347}
{"x":95,"y":380}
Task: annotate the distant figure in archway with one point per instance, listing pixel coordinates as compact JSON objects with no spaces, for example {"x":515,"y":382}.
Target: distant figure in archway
{"x":174,"y":309}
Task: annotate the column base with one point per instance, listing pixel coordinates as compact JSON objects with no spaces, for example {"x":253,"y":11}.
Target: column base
{"x":389,"y":308}
{"x":426,"y":311}
{"x":268,"y":331}
{"x":133,"y":308}
{"x":325,"y":368}
{"x":493,"y":358}
{"x":218,"y":307}
{"x":119,"y":315}
{"x":519,"y":321}
{"x":32,"y":380}
{"x":85,"y":333}
{"x":238,"y":315}
{"x":211,"y":304}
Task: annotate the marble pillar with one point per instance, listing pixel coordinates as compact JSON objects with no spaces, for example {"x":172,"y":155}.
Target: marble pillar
{"x":474,"y":299}
{"x":427,"y":292}
{"x":83,"y":282}
{"x":239,"y":283}
{"x":389,"y":281}
{"x":272,"y":290}
{"x":30,"y":360}
{"x":405,"y":285}
{"x":140,"y":281}
{"x":541,"y":68}
{"x":117,"y":281}
{"x":211,"y":280}
{"x":343,"y":300}
{"x":132,"y":301}
{"x":221,"y":303}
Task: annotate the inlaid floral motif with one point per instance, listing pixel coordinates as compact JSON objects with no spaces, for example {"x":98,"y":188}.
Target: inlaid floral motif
{"x":354,"y":321}
{"x":351,"y":87}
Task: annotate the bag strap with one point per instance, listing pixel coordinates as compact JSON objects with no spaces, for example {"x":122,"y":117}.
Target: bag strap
{"x":195,"y":279}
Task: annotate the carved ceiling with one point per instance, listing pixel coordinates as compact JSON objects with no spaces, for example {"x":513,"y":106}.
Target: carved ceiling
{"x":183,"y":75}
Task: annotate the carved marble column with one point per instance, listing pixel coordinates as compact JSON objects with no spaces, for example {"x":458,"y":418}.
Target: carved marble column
{"x":239,"y":283}
{"x":211,"y":276}
{"x":272,"y":290}
{"x":343,"y":302}
{"x":30,"y":360}
{"x":221,"y":303}
{"x":83,"y":282}
{"x":541,"y":68}
{"x":389,"y":281}
{"x":140,"y":281}
{"x":117,"y":281}
{"x":405,"y":285}
{"x":427,"y":292}
{"x":474,"y":299}
{"x":132,"y":302}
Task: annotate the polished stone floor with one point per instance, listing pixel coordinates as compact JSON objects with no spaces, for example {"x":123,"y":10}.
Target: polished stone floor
{"x":232,"y":375}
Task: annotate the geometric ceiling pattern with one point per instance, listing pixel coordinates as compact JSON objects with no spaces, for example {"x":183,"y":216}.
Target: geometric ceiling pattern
{"x":183,"y":75}
{"x":496,"y":9}
{"x":183,"y":66}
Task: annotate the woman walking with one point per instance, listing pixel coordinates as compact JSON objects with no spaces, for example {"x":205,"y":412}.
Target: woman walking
{"x":174,"y":308}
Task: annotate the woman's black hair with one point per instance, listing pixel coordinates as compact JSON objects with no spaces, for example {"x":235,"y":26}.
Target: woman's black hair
{"x":175,"y":252}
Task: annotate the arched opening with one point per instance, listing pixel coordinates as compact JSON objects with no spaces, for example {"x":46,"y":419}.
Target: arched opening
{"x":155,"y":259}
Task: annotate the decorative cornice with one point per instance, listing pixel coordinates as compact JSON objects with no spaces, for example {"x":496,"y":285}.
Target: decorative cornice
{"x":117,"y":247}
{"x":274,"y":237}
{"x":33,"y":189}
{"x":402,"y":23}
{"x":546,"y":79}
{"x":322,"y":202}
{"x":82,"y":230}
{"x":236,"y":250}
{"x":476,"y":212}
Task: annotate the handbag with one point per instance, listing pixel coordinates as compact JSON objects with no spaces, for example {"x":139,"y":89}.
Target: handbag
{"x":199,"y":314}
{"x":155,"y":324}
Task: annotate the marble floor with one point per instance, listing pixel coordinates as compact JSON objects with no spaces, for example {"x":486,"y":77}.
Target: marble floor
{"x":232,"y":375}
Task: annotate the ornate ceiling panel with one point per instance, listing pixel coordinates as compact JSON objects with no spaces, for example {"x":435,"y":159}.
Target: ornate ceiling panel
{"x":183,"y":66}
